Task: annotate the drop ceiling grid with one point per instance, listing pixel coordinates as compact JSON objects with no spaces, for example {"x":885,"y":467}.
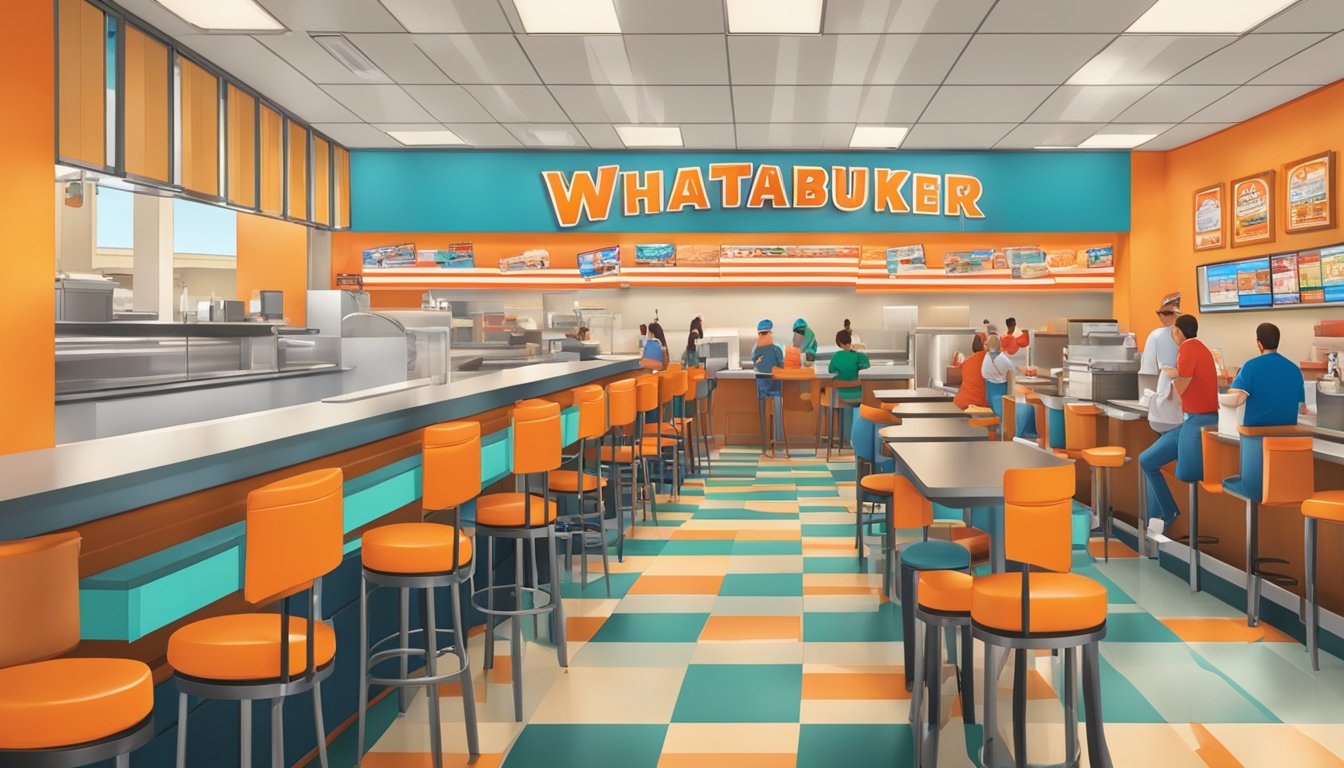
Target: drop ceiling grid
{"x":593,"y":88}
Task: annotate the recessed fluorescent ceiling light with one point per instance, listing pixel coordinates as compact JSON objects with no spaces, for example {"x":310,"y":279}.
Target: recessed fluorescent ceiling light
{"x":574,"y":17}
{"x":877,"y":136}
{"x":1184,"y":17}
{"x":650,"y":135}
{"x":774,"y":17}
{"x":224,"y":15}
{"x":344,"y":51}
{"x":435,"y":138}
{"x":1055,"y":146}
{"x":1117,"y":140}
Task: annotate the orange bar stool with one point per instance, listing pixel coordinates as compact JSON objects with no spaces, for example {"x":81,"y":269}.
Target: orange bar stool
{"x":1212,"y":483}
{"x":1042,"y":416}
{"x":591,"y":401}
{"x":1044,"y":607}
{"x":989,"y":423}
{"x":61,"y":713}
{"x":944,"y":608}
{"x":832,"y":411}
{"x":295,"y":532}
{"x":875,"y":488}
{"x":425,"y":556}
{"x":1080,"y":441}
{"x":1009,"y":410}
{"x":695,"y":425}
{"x":1288,"y":480}
{"x":1327,"y":507}
{"x":661,"y":441}
{"x":649,"y":391}
{"x":799,"y":392}
{"x":622,"y":454}
{"x":524,"y":517}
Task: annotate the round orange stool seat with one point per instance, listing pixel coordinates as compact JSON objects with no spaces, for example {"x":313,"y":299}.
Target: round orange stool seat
{"x":881,"y":482}
{"x":1060,"y":602}
{"x":983,"y":421}
{"x":64,"y":702}
{"x":567,"y":481}
{"x":974,"y":539}
{"x":1104,"y":456}
{"x":655,"y":444}
{"x":617,"y":454}
{"x":414,"y":548}
{"x":246,"y":646}
{"x":1325,"y":505}
{"x":946,"y":591}
{"x":508,"y":510}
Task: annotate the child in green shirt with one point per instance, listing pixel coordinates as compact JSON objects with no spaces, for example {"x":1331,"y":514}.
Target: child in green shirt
{"x":846,"y":364}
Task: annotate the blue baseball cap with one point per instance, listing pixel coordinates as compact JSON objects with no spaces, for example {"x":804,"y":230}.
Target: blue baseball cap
{"x":764,"y":325}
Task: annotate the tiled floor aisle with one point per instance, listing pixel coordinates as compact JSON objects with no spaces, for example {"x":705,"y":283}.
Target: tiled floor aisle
{"x":740,"y":633}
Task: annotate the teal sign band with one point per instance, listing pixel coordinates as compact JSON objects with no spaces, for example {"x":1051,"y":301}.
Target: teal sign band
{"x":456,"y":191}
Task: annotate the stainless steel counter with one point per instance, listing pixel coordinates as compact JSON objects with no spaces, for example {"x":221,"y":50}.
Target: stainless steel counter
{"x":876,"y":373}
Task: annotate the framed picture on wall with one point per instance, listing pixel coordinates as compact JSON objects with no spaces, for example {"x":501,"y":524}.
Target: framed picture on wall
{"x":1309,"y":193}
{"x":1210,"y":226}
{"x":1253,"y":209}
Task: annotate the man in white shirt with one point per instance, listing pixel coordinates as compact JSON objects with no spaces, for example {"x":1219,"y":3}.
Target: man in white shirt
{"x":1159,"y":351}
{"x":1164,"y":409}
{"x":996,"y":367}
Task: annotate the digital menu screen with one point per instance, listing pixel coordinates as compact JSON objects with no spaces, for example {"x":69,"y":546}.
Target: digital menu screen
{"x":1253,"y":284}
{"x":604,"y":261}
{"x":1283,"y":277}
{"x":1332,"y":273}
{"x":1309,"y":278}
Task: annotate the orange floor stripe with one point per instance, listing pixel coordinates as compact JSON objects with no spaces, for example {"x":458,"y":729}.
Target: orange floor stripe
{"x":582,"y":628}
{"x":1118,"y":549}
{"x":767,"y":535}
{"x":823,"y":589}
{"x":1211,"y":750}
{"x":1038,"y":687}
{"x":726,"y":760}
{"x":423,"y":760}
{"x":677,"y":585}
{"x":854,"y":685}
{"x":753,"y":628}
{"x":1224,"y":631}
{"x":695,"y":534}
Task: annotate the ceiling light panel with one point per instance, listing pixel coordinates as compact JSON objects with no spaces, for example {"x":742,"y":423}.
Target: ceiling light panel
{"x":649,"y":135}
{"x":1106,"y":140}
{"x":433,"y":138}
{"x":878,"y":136}
{"x":572,"y":17}
{"x":1206,"y":17}
{"x":774,"y":17}
{"x":224,"y":15}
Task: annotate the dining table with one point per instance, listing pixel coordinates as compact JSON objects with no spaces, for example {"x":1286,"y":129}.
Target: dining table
{"x":930,"y":410}
{"x":932,"y":431}
{"x":913,"y":395}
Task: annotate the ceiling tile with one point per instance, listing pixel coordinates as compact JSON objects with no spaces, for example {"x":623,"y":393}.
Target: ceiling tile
{"x":448,"y":15}
{"x":956,"y":135}
{"x":356,"y":135}
{"x":1025,"y":59}
{"x":1173,"y":103}
{"x":253,"y":63}
{"x":547,"y":135}
{"x":840,"y":103}
{"x":619,"y":60}
{"x":484,"y":59}
{"x":1088,"y":103}
{"x":398,"y":56}
{"x":1064,"y":15}
{"x":332,"y":15}
{"x":380,"y":103}
{"x":1247,"y":102}
{"x":518,"y":103}
{"x":484,"y":134}
{"x":1244,"y":59}
{"x":311,"y":59}
{"x":985,"y":103}
{"x":1147,"y":59}
{"x":1032,"y":135}
{"x":449,"y":103}
{"x":847,"y":16}
{"x":660,"y":16}
{"x":1320,"y":64}
{"x":645,"y":104}
{"x":601,"y":136}
{"x":709,"y":136}
{"x":794,"y":136}
{"x":842,"y":59}
{"x":1308,"y":16}
{"x":1183,"y":134}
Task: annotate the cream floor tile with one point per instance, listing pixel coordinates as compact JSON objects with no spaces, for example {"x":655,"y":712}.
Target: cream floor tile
{"x":841,"y":603}
{"x":842,"y":579}
{"x":589,"y":606}
{"x":758,"y":606}
{"x":765,"y":564}
{"x":408,"y":736}
{"x":741,"y":525}
{"x":676,"y":655}
{"x":612,"y":695}
{"x":877,"y":654}
{"x":720,"y":738}
{"x":688,"y":565}
{"x":666,"y":604}
{"x":866,"y":711}
{"x":828,"y":518}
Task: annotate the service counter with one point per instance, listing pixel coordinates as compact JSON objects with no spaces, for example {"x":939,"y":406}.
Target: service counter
{"x":737,"y":420}
{"x":161,"y":514}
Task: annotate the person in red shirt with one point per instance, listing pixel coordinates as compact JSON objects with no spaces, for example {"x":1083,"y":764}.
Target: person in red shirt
{"x":972,"y":390}
{"x":1196,"y":380}
{"x":1012,"y":341}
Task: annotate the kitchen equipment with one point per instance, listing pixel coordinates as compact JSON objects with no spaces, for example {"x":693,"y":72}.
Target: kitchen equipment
{"x":227,"y":311}
{"x":84,"y":299}
{"x":1330,"y":405}
{"x":1099,"y":362}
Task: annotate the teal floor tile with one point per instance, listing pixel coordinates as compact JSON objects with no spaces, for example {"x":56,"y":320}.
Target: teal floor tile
{"x":1114,"y":594}
{"x":822,"y":508}
{"x":743,"y":514}
{"x":814,"y":482}
{"x":827,"y":529}
{"x":674,"y":506}
{"x":767,"y":547}
{"x":582,"y":746}
{"x":651,"y":628}
{"x":1137,"y":628}
{"x":844,"y":475}
{"x":740,"y":693}
{"x":882,"y":625}
{"x":846,"y":564}
{"x":699,"y":547}
{"x":643,"y":547}
{"x":1121,"y":702}
{"x":620,"y":583}
{"x":856,"y":746}
{"x":762,"y":585}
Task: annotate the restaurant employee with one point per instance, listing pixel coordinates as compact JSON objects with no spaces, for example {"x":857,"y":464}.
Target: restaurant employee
{"x":1272,"y":388}
{"x":972,"y":389}
{"x":1195,"y":377}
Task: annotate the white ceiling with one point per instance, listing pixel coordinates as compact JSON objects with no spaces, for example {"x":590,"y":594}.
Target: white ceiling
{"x":972,"y":74}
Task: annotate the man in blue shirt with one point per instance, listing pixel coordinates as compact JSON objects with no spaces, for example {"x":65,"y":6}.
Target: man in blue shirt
{"x":765,"y":358}
{"x":1271,"y":386}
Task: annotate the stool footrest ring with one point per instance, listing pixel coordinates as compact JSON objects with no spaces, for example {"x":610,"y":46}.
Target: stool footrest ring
{"x":536,"y":592}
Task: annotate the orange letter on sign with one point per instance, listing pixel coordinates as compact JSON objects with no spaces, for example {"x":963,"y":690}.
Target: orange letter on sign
{"x":688,"y":188}
{"x":849,"y":187}
{"x":928,"y":188}
{"x":809,"y":187}
{"x":584,"y":196}
{"x":963,"y":196}
{"x":648,"y":195}
{"x":887,"y":191}
{"x":730,"y":176}
{"x":769,"y":183}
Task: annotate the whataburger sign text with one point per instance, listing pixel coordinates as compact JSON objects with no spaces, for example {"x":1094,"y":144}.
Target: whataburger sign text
{"x":587,"y":195}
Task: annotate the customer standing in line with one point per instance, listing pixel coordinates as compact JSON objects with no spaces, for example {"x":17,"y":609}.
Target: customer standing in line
{"x":655,"y":349}
{"x":766,"y":356}
{"x":996,"y":369}
{"x":1195,"y":378}
{"x":1272,"y":387}
{"x":1164,"y":408}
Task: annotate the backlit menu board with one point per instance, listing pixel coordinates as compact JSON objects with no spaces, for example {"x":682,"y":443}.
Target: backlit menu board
{"x":1309,"y":278}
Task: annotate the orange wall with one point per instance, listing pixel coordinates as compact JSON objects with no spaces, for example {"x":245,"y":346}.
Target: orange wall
{"x":1162,"y":259}
{"x":273,"y":255}
{"x":28,"y":219}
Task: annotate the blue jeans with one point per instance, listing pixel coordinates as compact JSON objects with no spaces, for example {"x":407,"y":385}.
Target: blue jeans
{"x":994,"y":392}
{"x":1182,"y":445}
